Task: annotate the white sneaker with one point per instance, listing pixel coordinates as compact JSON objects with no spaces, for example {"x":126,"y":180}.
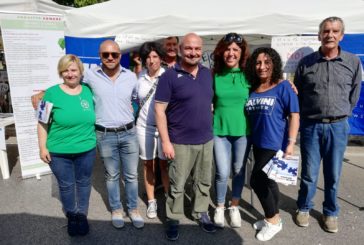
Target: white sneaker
{"x":219,"y":217}
{"x":235,"y":218}
{"x":269,"y":231}
{"x":152,"y":209}
{"x":117,"y":218}
{"x":259,"y":225}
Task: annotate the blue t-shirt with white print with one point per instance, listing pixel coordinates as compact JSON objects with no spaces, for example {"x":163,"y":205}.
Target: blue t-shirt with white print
{"x":268,"y":114}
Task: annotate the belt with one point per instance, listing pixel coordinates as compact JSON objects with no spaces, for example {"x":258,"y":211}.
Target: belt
{"x":115,"y":130}
{"x":329,"y":119}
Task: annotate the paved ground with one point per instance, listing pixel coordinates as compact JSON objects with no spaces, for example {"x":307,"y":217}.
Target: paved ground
{"x":30,"y":213}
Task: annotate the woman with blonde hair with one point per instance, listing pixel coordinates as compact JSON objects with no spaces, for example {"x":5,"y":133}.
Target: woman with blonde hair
{"x":67,"y":142}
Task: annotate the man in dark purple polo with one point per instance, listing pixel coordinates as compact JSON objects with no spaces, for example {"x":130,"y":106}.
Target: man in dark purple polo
{"x":184,"y":120}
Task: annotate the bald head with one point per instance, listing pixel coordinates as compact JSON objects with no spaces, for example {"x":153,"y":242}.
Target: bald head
{"x":191,"y":37}
{"x":110,"y":56}
{"x":191,"y":50}
{"x":109,"y":45}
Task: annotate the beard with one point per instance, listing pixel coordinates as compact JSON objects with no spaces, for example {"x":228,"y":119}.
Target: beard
{"x":111,"y":66}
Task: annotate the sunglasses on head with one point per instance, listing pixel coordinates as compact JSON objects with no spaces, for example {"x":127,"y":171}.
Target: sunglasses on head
{"x":106,"y":55}
{"x":233,"y":37}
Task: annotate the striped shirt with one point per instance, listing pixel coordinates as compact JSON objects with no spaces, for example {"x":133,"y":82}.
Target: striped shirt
{"x":112,"y":99}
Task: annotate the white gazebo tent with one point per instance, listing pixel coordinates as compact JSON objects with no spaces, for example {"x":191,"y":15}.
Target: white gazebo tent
{"x":161,"y":17}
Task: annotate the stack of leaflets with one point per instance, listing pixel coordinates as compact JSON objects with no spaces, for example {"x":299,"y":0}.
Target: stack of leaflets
{"x":282,"y":170}
{"x":44,"y":111}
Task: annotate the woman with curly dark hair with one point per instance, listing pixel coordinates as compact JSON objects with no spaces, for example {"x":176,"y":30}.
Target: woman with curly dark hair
{"x":231,"y":141}
{"x":273,"y":112}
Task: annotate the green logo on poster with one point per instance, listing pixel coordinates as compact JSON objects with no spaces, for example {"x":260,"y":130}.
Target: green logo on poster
{"x":61,"y":43}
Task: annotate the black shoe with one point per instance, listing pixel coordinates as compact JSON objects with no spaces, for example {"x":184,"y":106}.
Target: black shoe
{"x":83,"y":227}
{"x":206,"y":224}
{"x":72,"y":224}
{"x":172,"y":230}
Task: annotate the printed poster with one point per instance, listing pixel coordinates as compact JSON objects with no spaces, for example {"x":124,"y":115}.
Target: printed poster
{"x":33,"y":44}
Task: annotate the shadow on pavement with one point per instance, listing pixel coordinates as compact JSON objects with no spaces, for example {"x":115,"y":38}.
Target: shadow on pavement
{"x":24,"y":228}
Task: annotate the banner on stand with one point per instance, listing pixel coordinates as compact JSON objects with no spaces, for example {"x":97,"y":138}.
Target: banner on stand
{"x":33,"y":44}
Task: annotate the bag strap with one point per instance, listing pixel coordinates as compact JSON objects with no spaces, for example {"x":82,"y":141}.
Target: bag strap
{"x":149,"y":94}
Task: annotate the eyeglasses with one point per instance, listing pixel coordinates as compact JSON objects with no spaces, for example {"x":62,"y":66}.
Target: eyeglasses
{"x":106,"y":55}
{"x":233,"y":37}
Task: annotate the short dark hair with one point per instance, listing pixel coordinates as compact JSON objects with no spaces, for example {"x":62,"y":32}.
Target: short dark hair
{"x":250,"y":70}
{"x":222,"y":45}
{"x":173,"y":37}
{"x":148,"y":47}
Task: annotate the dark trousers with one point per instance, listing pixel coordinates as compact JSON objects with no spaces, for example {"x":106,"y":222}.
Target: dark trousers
{"x":266,"y":189}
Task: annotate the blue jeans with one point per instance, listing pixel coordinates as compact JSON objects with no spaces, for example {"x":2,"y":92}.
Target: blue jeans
{"x":326,"y":142}
{"x":115,"y":149}
{"x":230,"y":152}
{"x":73,"y":173}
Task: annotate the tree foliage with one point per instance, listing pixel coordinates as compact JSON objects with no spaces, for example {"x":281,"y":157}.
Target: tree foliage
{"x":78,"y":3}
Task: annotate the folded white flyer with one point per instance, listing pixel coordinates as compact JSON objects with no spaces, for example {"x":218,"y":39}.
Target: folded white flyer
{"x":44,"y":111}
{"x":282,"y":170}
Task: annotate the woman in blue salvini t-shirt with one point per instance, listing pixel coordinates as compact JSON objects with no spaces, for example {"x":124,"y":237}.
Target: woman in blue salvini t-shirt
{"x":273,"y":111}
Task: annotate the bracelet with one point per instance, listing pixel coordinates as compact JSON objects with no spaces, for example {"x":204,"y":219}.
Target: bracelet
{"x":292,"y":140}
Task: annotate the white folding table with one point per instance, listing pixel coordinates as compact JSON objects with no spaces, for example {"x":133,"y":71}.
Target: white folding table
{"x":6,"y":119}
